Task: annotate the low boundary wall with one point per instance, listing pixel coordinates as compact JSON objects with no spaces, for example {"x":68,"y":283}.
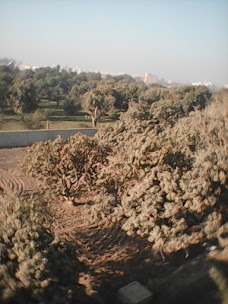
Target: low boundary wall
{"x":27,"y":138}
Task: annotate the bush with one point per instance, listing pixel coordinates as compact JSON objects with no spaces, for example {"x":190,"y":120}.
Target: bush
{"x":71,"y":107}
{"x":169,"y":180}
{"x":166,"y":176}
{"x":34,"y":266}
{"x":35,"y":120}
{"x":66,"y":166}
{"x":2,"y":120}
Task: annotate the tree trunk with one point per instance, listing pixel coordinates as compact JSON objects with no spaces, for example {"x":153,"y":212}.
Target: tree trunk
{"x":95,"y":117}
{"x":94,"y":122}
{"x":47,"y":124}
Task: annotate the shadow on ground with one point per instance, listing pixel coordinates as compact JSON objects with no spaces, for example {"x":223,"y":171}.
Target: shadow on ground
{"x":115,"y":260}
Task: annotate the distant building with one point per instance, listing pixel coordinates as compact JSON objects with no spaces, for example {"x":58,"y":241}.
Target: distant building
{"x":23,"y":67}
{"x":203,"y":83}
{"x":172,"y":84}
{"x":77,"y":70}
{"x":150,"y":78}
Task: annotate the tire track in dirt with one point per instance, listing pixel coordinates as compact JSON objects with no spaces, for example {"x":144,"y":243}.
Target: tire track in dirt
{"x":11,"y":184}
{"x":11,"y":178}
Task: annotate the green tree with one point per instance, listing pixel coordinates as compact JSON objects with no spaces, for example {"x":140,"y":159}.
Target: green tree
{"x":126,"y":92}
{"x":97,"y":103}
{"x":71,"y":107}
{"x":7,"y":75}
{"x":52,"y":84}
{"x":24,"y":98}
{"x":72,"y":102}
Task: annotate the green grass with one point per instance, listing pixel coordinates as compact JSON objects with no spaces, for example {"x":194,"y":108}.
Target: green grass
{"x":58,"y":120}
{"x":18,"y":125}
{"x":12,"y":126}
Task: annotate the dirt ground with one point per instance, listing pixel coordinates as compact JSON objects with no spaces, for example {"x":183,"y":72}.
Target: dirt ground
{"x":112,"y":259}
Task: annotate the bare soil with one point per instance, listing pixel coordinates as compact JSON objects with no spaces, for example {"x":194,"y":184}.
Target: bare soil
{"x":112,"y":259}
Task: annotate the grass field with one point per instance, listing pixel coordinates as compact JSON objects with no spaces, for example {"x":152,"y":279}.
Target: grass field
{"x":58,"y":119}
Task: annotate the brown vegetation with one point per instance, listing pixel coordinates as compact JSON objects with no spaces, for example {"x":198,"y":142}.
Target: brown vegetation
{"x":145,"y":195}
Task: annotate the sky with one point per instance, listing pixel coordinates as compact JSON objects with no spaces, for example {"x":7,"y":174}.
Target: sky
{"x":174,"y":39}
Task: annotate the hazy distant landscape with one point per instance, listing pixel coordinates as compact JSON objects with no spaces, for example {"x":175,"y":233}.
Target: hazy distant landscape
{"x":59,"y":98}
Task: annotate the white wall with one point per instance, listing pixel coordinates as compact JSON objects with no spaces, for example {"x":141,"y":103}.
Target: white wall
{"x":27,"y":138}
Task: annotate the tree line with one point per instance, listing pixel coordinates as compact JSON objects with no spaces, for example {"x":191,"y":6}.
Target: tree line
{"x":22,"y":91}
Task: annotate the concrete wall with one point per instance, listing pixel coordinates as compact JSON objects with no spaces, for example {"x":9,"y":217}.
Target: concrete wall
{"x":27,"y":138}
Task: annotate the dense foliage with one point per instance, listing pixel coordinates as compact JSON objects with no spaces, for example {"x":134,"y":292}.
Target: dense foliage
{"x":35,"y":267}
{"x":170,"y":171}
{"x":22,"y":91}
{"x":66,"y":166}
{"x":161,"y":171}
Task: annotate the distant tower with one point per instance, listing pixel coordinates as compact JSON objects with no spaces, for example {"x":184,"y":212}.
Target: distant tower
{"x":146,"y":77}
{"x":150,"y":78}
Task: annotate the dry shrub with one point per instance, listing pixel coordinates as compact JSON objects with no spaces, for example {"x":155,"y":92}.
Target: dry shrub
{"x":172,"y":183}
{"x":64,"y":167}
{"x":35,"y":120}
{"x":165,"y":178}
{"x":34,"y":265}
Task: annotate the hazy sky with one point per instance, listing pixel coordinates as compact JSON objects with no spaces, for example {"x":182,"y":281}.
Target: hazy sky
{"x":175,"y":39}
